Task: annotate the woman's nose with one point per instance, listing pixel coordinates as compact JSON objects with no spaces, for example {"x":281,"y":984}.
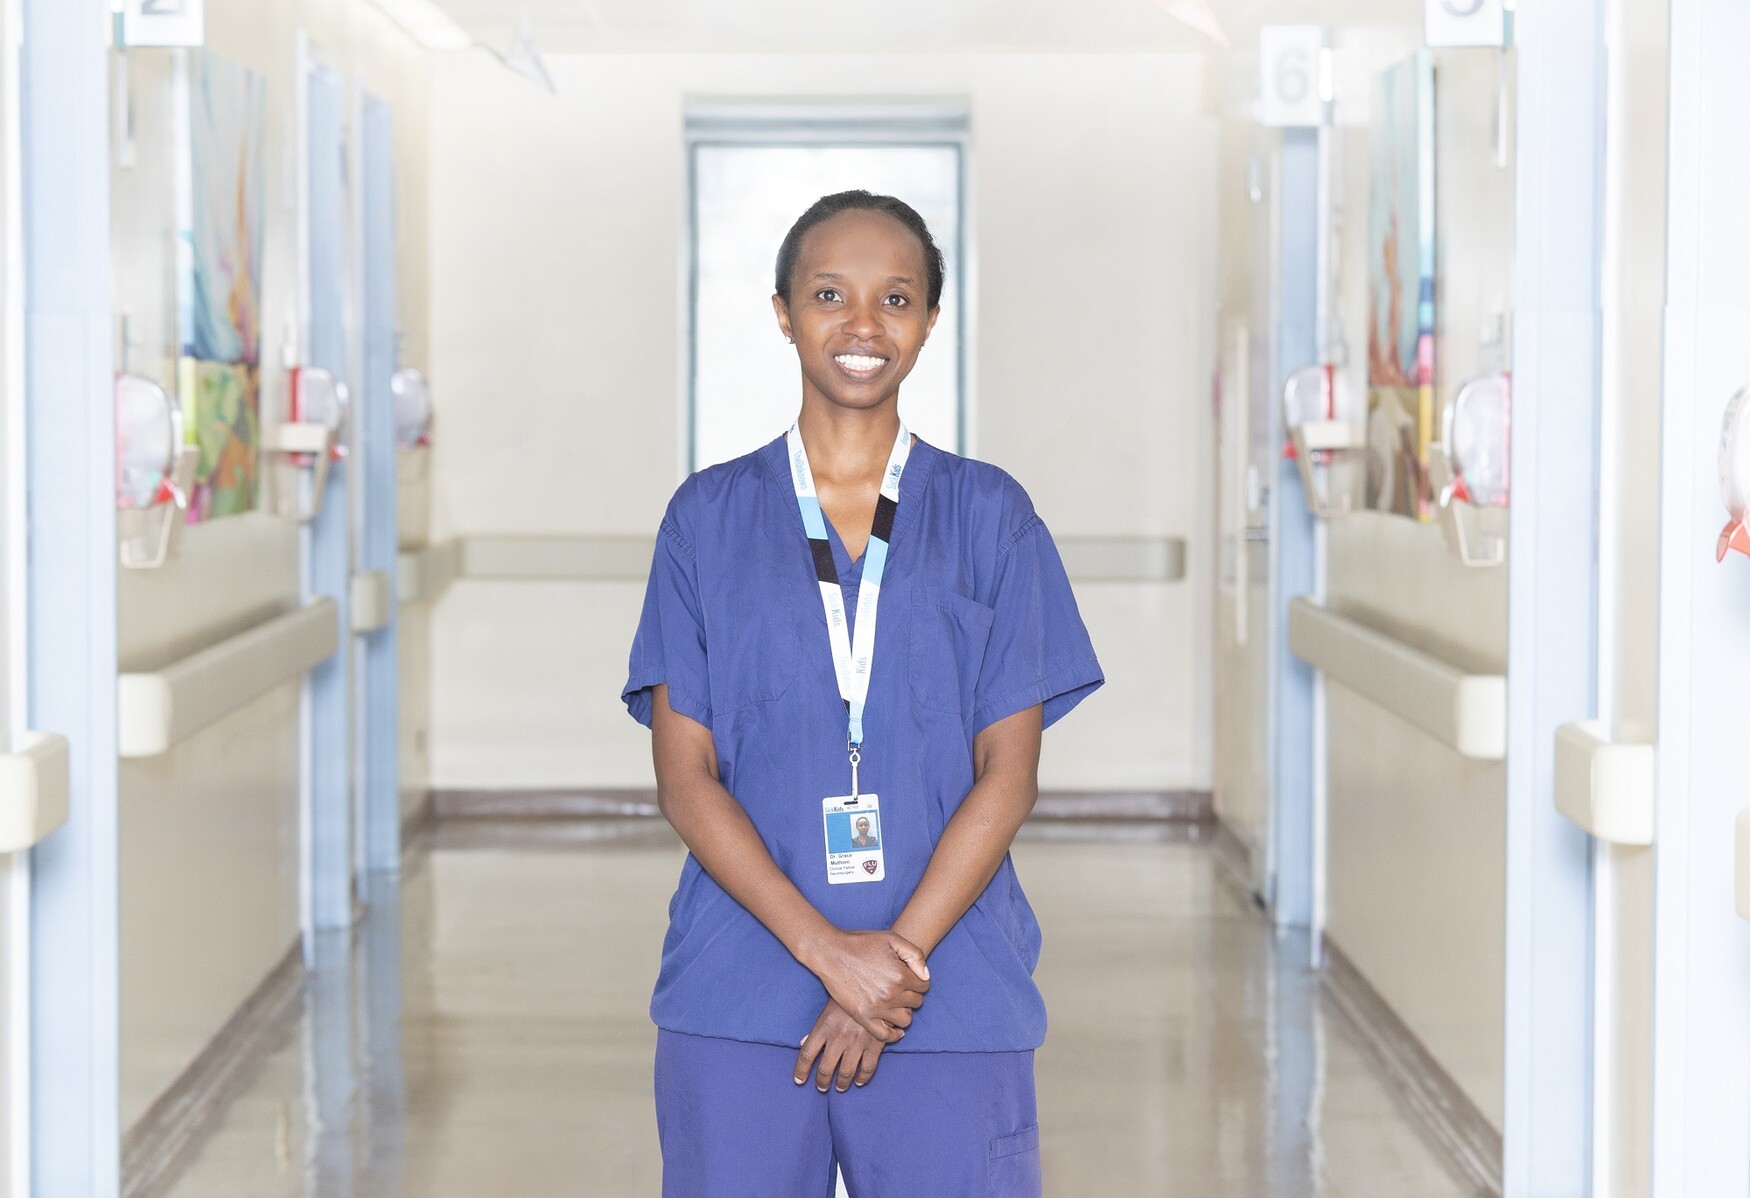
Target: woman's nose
{"x":861,"y":321}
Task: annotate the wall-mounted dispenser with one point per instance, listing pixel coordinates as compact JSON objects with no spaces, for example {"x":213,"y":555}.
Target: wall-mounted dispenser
{"x":1468,"y":469}
{"x":1331,"y":453}
{"x":412,"y":407}
{"x":303,"y":447}
{"x":413,"y":411}
{"x":1734,"y":477}
{"x":153,"y":472}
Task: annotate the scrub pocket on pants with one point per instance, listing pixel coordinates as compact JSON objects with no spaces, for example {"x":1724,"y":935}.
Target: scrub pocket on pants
{"x":1014,"y":1165}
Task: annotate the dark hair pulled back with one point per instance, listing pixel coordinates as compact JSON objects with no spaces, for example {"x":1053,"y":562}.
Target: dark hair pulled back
{"x":827,"y":207}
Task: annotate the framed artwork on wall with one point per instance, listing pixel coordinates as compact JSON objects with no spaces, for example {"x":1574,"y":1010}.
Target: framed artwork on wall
{"x":220,"y":208}
{"x":1400,"y":258}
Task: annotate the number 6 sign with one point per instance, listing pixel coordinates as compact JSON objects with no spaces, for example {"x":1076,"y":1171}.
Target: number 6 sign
{"x":1289,"y":86}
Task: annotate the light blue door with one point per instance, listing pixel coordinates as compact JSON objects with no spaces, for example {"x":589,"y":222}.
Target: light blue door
{"x":374,"y":462}
{"x":328,"y":538}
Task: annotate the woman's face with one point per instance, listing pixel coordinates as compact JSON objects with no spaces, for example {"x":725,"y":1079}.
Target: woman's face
{"x":858,"y":308}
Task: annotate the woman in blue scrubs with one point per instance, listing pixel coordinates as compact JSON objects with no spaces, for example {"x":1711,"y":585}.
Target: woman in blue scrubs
{"x":846,"y":982}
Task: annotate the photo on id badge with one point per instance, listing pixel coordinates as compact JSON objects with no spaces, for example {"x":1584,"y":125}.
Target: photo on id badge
{"x":853,"y":839}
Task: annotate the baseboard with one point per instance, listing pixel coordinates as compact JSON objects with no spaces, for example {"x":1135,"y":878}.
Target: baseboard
{"x":1176,"y":806}
{"x":1466,"y":1134}
{"x":155,"y":1149}
{"x":543,"y":804}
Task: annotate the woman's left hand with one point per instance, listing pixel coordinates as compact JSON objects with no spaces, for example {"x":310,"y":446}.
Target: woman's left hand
{"x":843,"y":1048}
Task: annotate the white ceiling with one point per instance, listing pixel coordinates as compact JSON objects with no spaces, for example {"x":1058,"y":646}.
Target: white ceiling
{"x":750,"y":26}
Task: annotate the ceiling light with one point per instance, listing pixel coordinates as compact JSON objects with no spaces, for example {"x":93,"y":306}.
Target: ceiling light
{"x":426,"y":24}
{"x":523,"y":58}
{"x":1199,"y":16}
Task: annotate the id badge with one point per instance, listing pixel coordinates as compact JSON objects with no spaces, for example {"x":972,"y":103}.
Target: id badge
{"x":853,"y":839}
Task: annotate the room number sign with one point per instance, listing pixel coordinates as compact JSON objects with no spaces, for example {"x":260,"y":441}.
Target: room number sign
{"x":162,"y":23}
{"x":1290,"y":88}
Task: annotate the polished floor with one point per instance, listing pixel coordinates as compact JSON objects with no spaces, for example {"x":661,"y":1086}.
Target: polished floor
{"x":488,"y":1037}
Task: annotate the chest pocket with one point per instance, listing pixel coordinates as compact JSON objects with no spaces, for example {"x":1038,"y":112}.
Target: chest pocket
{"x":949,"y":633}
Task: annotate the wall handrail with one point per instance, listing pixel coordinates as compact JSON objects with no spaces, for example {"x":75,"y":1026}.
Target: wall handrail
{"x":33,"y":790}
{"x":168,"y":705}
{"x":422,"y":575}
{"x":1464,"y":710}
{"x":371,"y":601}
{"x":1605,"y":786}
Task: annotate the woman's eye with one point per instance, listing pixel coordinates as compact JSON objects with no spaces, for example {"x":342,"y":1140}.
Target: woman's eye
{"x":898,"y":301}
{"x":827,"y":295}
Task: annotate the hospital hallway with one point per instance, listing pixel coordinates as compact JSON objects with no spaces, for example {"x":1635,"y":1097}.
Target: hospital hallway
{"x":453,"y":452}
{"x":501,"y":1047}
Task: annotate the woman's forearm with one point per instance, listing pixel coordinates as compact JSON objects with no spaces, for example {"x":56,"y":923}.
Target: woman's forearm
{"x":978,"y":836}
{"x":876,"y":976}
{"x":718,"y":832}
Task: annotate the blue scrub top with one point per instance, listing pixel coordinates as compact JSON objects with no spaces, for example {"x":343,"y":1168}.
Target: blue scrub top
{"x":977,"y":622}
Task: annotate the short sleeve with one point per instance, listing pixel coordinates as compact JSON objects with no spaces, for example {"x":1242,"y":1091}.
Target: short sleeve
{"x":1039,"y":651}
{"x":669,"y":646}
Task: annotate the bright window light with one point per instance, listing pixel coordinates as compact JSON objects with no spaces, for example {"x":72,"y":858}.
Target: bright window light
{"x":426,"y":24}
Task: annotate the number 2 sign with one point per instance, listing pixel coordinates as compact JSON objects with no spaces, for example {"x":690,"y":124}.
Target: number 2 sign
{"x":163,"y":22}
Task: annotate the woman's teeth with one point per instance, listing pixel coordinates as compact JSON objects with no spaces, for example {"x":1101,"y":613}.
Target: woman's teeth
{"x":859,"y":363}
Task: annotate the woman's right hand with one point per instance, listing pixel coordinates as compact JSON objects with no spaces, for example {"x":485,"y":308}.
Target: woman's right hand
{"x":879,"y":978}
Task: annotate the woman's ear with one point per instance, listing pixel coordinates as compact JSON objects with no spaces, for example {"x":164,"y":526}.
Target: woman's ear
{"x":782,"y":311}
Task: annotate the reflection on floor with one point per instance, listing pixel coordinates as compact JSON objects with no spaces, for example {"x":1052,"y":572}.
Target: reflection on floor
{"x":498,"y":1046}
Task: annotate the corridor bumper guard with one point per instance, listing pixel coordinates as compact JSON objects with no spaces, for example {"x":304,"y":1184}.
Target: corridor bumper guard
{"x":33,"y":791}
{"x":1605,"y":786}
{"x":160,"y":708}
{"x":1466,"y":711}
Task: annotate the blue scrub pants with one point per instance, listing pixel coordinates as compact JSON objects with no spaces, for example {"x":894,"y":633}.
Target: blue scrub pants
{"x":734,"y":1124}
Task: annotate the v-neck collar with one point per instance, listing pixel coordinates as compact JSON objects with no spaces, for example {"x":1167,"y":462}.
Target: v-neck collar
{"x":917,"y":469}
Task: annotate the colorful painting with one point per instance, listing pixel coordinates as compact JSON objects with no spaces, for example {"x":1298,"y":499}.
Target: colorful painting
{"x":226,"y":417}
{"x":1400,"y":335}
{"x":219,"y":301}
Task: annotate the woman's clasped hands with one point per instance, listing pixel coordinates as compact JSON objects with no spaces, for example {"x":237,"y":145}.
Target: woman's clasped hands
{"x":876,"y":981}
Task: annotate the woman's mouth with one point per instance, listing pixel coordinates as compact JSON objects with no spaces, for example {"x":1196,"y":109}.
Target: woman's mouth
{"x":859,"y":367}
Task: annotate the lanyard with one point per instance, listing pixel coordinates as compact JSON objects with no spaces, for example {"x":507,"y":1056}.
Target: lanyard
{"x":850,"y":661}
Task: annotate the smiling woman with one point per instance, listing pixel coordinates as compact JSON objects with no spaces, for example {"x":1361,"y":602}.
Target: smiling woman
{"x":757,"y":667}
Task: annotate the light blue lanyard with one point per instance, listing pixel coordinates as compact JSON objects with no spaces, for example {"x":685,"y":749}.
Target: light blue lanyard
{"x":851,"y":659}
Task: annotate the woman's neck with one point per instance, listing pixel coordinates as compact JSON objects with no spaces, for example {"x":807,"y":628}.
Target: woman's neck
{"x":848,"y":446}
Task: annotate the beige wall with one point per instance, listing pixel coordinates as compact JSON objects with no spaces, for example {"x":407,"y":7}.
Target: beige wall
{"x":1417,"y":834}
{"x":557,"y":283}
{"x":209,"y":832}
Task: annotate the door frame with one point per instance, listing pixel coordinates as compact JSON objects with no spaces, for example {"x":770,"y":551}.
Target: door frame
{"x":1552,"y":605}
{"x":1701,"y":977}
{"x":70,"y":592}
